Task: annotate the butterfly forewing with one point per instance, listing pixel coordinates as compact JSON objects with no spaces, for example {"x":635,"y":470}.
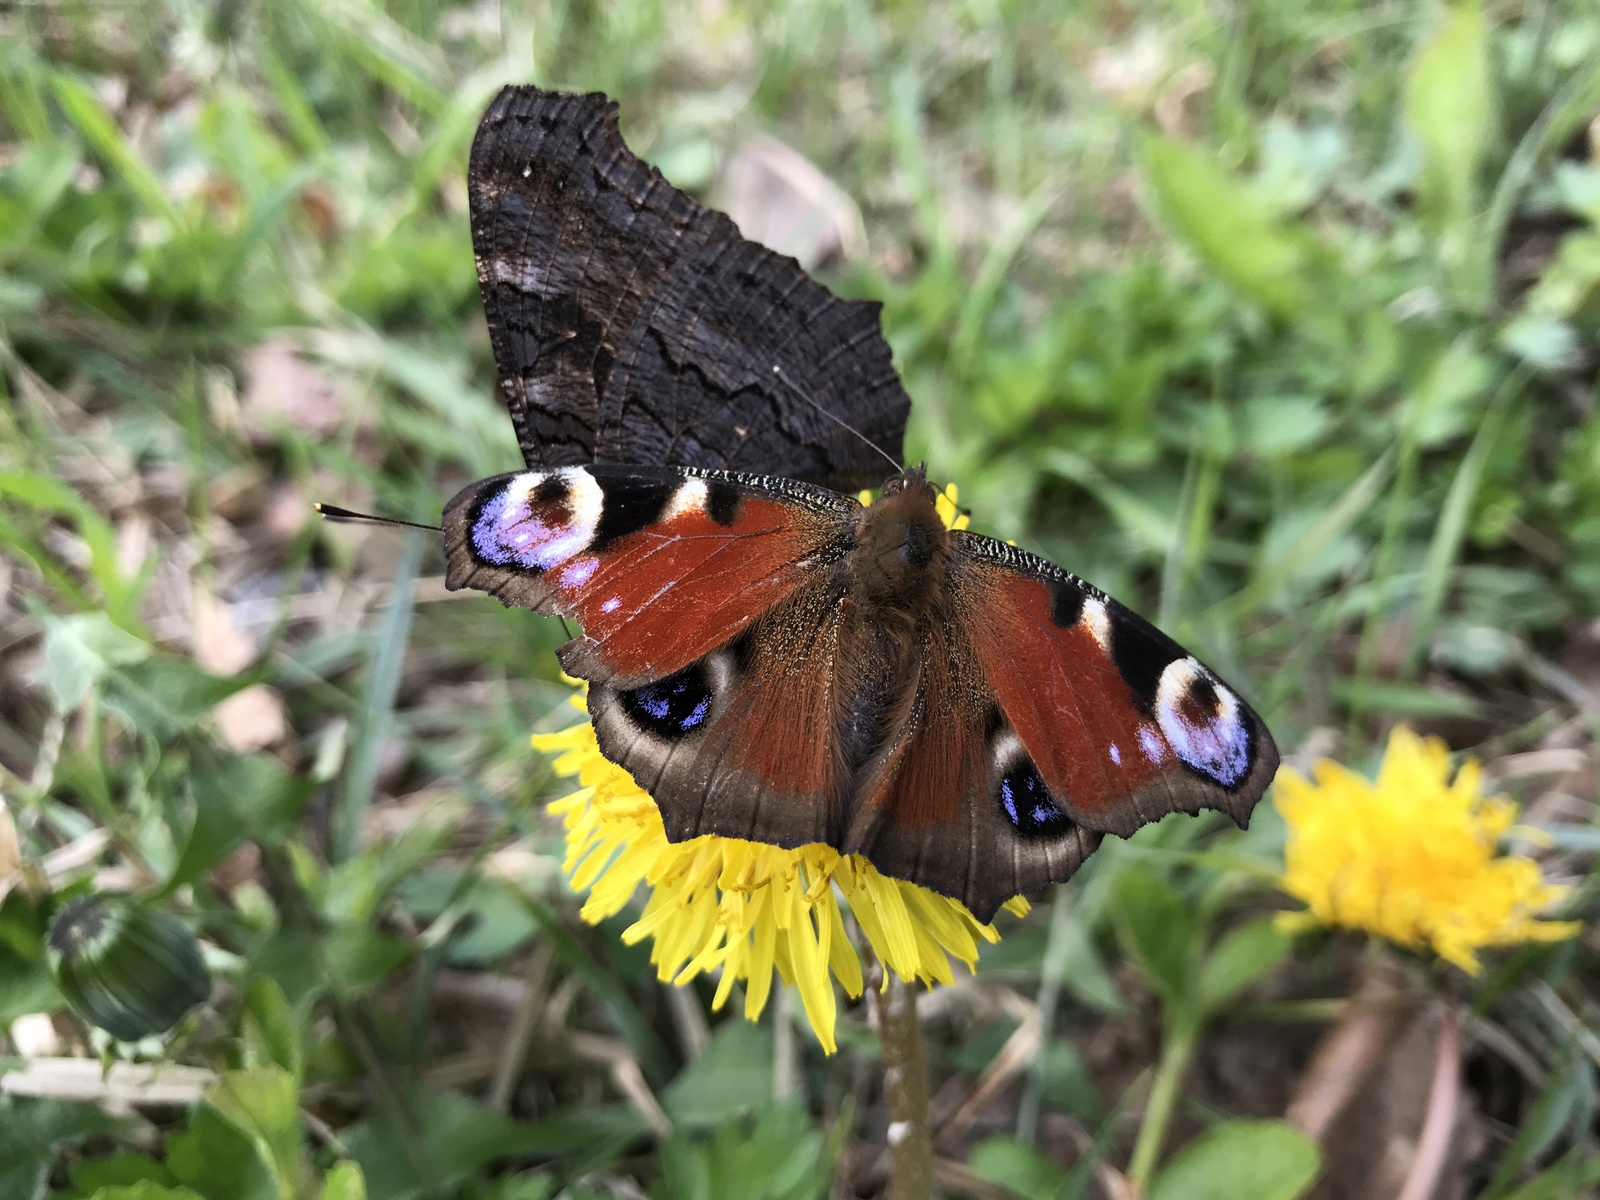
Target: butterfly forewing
{"x":632,"y":325}
{"x":661,"y":565}
{"x":1122,"y":724}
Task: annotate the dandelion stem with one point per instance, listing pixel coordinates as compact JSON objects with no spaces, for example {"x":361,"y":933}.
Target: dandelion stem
{"x":1176,"y":1052}
{"x":905,"y":1085}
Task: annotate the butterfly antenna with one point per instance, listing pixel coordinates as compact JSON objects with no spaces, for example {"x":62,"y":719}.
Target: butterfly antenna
{"x":838,"y":420}
{"x":333,"y":512}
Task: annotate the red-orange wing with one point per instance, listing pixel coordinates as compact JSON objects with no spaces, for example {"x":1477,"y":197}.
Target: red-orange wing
{"x":661,"y":565}
{"x":1123,"y":724}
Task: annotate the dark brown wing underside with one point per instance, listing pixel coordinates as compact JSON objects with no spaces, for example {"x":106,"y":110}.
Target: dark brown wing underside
{"x":632,"y":325}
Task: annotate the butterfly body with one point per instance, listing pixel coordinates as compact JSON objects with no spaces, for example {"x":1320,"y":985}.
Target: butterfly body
{"x":768,"y":657}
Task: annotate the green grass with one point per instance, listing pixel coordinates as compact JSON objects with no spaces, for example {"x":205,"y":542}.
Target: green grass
{"x":1290,"y":344}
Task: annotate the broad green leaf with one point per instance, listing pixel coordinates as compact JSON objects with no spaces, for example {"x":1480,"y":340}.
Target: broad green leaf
{"x":447,"y":1138}
{"x":731,"y":1079}
{"x":1226,"y":227}
{"x":264,"y":1104}
{"x":524,"y":1187}
{"x":48,"y":494}
{"x":79,"y":650}
{"x":1542,"y":341}
{"x":1238,"y":959}
{"x":1448,"y":108}
{"x":1159,"y":932}
{"x":345,"y":1182}
{"x":777,"y":1159}
{"x":1015,"y":1165}
{"x":164,"y":695}
{"x":1068,"y":1083}
{"x":268,"y":1028}
{"x":1275,"y":426}
{"x":217,"y":1158}
{"x":25,"y":982}
{"x":32,"y":1134}
{"x":145,"y":1190}
{"x":499,"y":922}
{"x":236,"y":798}
{"x":1241,"y":1160}
{"x":359,"y":957}
{"x":119,"y":1170}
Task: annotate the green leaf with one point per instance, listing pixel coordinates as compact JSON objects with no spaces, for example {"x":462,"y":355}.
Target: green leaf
{"x":1561,"y":1106}
{"x":1447,"y":107}
{"x":1015,"y":1165}
{"x":32,"y":1133}
{"x":121,"y":1169}
{"x":1239,"y":958}
{"x":777,"y":1159}
{"x":358,"y":957}
{"x":446,"y":1137}
{"x":79,"y":650}
{"x":164,"y":695}
{"x":732,"y":1078}
{"x":217,"y":1158}
{"x":1574,"y":1175}
{"x":498,"y":922}
{"x":1159,"y":933}
{"x":236,"y":798}
{"x":1225,"y":226}
{"x":264,"y":1104}
{"x":47,"y":494}
{"x":268,"y":1029}
{"x":1241,"y":1160}
{"x":345,"y":1182}
{"x":85,"y":111}
{"x":145,"y":1190}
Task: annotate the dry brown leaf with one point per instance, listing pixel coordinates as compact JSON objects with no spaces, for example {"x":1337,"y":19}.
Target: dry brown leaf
{"x":780,"y":198}
{"x":216,"y":642}
{"x":1128,"y":74}
{"x":284,"y":388}
{"x":35,"y":1036}
{"x":10,"y":851}
{"x":252,"y":719}
{"x":124,"y":1086}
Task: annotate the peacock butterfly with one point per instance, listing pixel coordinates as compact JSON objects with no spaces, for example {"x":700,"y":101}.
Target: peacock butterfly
{"x":769,"y":658}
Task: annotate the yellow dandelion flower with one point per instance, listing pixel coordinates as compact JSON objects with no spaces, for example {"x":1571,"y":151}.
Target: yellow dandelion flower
{"x":746,"y":908}
{"x":1412,"y":856}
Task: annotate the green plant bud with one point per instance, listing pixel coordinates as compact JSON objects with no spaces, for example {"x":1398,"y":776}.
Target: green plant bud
{"x":125,"y":967}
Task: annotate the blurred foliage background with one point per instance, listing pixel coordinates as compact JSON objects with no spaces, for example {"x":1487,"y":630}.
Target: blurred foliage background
{"x":1274,"y":318}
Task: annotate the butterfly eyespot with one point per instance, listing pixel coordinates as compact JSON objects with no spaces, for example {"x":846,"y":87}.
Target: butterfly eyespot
{"x":1202,"y":723}
{"x":1028,"y":804}
{"x":537,"y":521}
{"x":673,"y":707}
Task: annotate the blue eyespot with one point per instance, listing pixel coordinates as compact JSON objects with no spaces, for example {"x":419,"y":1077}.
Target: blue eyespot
{"x":672,"y":707}
{"x":1028,"y":804}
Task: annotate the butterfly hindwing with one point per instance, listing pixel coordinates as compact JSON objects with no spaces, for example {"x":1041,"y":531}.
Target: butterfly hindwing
{"x":742,"y":743}
{"x":1123,"y":724}
{"x":630,"y":324}
{"x":953,"y":802}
